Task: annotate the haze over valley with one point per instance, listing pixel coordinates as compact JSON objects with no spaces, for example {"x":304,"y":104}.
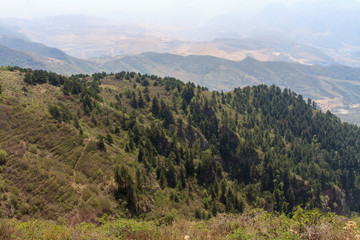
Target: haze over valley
{"x":88,"y":44}
{"x":299,"y":31}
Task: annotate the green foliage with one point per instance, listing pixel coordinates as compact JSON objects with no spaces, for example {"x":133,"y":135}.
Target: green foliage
{"x":61,"y":113}
{"x":241,"y":234}
{"x":125,"y":188}
{"x":198,"y":213}
{"x":100,"y":143}
{"x":252,"y":225}
{"x":109,"y":140}
{"x":167,"y":219}
{"x":3,"y":157}
{"x":227,"y":152}
{"x":41,"y":77}
{"x":54,"y":111}
{"x":33,"y":148}
{"x":318,"y":82}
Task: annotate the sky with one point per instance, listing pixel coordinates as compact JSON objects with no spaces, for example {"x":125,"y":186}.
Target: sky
{"x":106,"y":8}
{"x":182,"y":13}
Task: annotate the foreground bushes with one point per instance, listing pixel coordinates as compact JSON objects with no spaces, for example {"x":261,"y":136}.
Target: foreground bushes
{"x":254,"y":224}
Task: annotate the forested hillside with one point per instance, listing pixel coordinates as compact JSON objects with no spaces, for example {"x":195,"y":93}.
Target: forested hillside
{"x":335,"y":87}
{"x":132,"y":145}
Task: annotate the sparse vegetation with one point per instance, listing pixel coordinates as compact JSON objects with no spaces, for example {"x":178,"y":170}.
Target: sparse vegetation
{"x":255,"y":224}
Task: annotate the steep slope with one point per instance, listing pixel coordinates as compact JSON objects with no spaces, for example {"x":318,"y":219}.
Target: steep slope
{"x":15,"y":58}
{"x":128,"y":144}
{"x":19,"y":52}
{"x":334,"y":88}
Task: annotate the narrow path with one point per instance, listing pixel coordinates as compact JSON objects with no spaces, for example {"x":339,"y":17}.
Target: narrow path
{"x":82,"y":154}
{"x":76,"y":186}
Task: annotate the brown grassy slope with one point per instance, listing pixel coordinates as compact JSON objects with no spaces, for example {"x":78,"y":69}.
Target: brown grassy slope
{"x":54,"y":171}
{"x":39,"y":176}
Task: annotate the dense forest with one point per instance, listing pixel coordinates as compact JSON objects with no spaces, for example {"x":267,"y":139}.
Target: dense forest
{"x":131,"y":145}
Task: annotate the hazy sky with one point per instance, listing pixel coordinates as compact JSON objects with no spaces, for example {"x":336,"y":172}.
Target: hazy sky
{"x":183,"y":13}
{"x":40,"y":8}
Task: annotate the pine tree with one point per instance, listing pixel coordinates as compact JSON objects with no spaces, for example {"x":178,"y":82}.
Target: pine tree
{"x":155,"y":108}
{"x":140,"y":100}
{"x":133,"y":102}
{"x":100,"y":143}
{"x":141,"y":154}
{"x":171,"y":176}
{"x":109,"y":139}
{"x":126,"y":187}
{"x":28,"y":78}
{"x":139,"y":180}
{"x":214,"y":209}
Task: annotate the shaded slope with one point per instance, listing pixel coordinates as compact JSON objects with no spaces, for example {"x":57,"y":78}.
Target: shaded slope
{"x":23,"y":53}
{"x":15,"y":58}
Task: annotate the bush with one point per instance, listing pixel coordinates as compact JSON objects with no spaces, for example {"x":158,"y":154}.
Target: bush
{"x":86,"y":194}
{"x":55,"y":113}
{"x":109,"y":139}
{"x":168,"y":218}
{"x":3,"y":156}
{"x":33,"y":148}
{"x":198,"y":213}
{"x":6,"y":230}
{"x":104,"y":204}
{"x":100,"y":143}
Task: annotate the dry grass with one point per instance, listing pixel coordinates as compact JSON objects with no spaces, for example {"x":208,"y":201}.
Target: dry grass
{"x":254,"y":224}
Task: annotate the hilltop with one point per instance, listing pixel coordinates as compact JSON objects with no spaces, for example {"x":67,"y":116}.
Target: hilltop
{"x":334,"y":88}
{"x":128,"y":144}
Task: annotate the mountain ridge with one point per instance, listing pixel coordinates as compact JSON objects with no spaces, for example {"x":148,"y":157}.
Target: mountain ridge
{"x":334,"y":87}
{"x":128,"y":144}
{"x":39,"y":56}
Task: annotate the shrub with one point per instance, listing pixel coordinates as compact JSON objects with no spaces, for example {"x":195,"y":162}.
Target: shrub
{"x":86,"y":194}
{"x":197,"y":213}
{"x":55,"y":113}
{"x":33,"y":148}
{"x":6,"y":230}
{"x":109,"y":139}
{"x":168,"y":218}
{"x":100,"y":143}
{"x":104,"y":204}
{"x":3,"y":156}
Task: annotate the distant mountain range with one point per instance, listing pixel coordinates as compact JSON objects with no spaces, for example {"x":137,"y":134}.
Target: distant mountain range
{"x":20,"y":52}
{"x":334,"y":87}
{"x":99,"y":38}
{"x":330,"y":27}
